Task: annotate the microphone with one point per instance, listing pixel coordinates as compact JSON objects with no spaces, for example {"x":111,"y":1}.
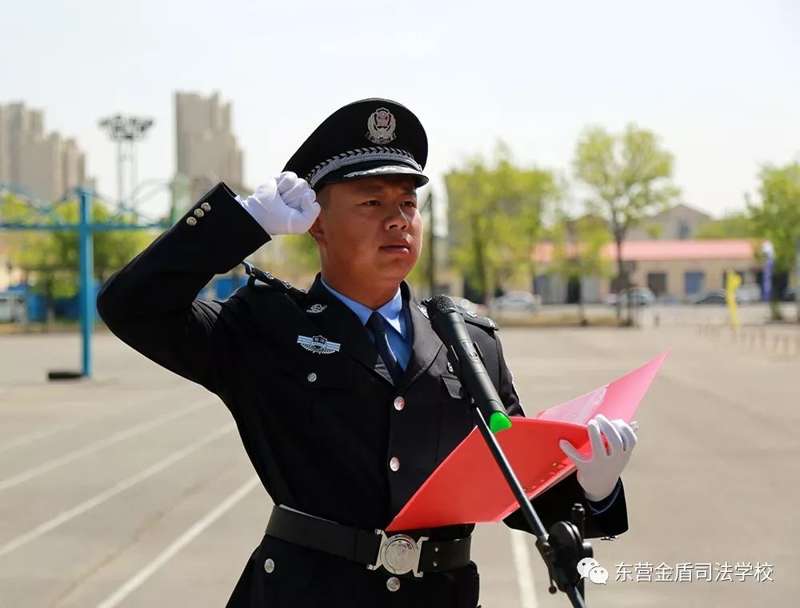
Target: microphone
{"x":449,"y":325}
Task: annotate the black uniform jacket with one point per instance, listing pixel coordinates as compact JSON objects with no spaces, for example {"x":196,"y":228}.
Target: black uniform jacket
{"x":320,"y":429}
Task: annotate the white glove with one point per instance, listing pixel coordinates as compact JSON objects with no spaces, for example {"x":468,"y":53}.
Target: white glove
{"x":598,"y":473}
{"x":286,"y":205}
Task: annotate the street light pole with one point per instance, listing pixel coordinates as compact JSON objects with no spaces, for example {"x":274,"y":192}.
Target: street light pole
{"x":125,"y":131}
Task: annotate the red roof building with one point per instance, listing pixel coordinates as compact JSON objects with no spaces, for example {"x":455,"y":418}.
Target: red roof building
{"x":675,"y":268}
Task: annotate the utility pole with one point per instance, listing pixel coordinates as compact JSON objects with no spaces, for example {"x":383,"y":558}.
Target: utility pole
{"x":432,"y":245}
{"x":797,"y":276}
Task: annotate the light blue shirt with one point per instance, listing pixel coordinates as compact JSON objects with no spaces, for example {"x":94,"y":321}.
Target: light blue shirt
{"x":392,"y":311}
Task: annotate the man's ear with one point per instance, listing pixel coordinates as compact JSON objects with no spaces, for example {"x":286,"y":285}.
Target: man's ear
{"x":316,"y":231}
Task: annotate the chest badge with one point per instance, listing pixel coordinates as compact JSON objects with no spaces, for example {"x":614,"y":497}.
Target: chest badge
{"x":315,"y":309}
{"x":319,"y":345}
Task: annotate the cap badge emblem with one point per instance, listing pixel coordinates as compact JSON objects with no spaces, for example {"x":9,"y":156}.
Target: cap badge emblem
{"x":316,"y":308}
{"x":319,"y":345}
{"x":380,"y":126}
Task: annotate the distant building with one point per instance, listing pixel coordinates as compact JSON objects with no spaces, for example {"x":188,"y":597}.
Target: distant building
{"x":678,"y":223}
{"x":678,"y":269}
{"x":46,"y":166}
{"x":206,"y":148}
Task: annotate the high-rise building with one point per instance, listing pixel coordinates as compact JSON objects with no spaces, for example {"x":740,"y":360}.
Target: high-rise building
{"x":207,"y":150}
{"x":46,"y":166}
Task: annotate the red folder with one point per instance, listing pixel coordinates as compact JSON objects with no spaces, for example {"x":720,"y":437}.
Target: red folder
{"x":468,"y":487}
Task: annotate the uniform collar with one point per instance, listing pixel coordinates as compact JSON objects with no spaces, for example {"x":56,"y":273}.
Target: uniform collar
{"x":389,"y":311}
{"x":339,"y":322}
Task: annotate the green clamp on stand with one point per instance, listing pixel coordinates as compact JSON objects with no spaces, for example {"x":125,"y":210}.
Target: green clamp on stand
{"x":498,"y":421}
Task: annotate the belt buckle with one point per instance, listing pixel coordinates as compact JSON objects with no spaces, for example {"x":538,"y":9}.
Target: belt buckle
{"x":399,"y":554}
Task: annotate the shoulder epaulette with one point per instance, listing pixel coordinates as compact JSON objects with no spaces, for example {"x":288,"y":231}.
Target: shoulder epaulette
{"x":261,"y":278}
{"x":469,"y":316}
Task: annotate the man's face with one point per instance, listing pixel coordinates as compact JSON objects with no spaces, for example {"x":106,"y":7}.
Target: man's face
{"x":369,"y":229}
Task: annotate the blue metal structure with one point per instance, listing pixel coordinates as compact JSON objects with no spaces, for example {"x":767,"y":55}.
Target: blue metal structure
{"x":86,"y":229}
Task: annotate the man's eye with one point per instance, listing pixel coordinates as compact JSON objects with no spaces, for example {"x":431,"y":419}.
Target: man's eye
{"x":372,"y":203}
{"x":410,"y":203}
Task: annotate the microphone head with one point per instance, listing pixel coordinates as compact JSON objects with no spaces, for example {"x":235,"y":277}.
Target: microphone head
{"x":439,"y":305}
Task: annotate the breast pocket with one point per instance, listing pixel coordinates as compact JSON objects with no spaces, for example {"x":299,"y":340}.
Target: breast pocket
{"x":324,"y":386}
{"x":456,"y":415}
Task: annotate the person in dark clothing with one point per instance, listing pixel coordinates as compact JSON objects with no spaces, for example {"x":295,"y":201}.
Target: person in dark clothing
{"x":343,"y":395}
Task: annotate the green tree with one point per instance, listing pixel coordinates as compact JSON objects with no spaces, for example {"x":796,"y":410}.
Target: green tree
{"x":496,"y":216}
{"x":578,"y":244}
{"x":734,"y":225}
{"x":302,"y":254}
{"x":776,"y":217}
{"x":629,"y":177}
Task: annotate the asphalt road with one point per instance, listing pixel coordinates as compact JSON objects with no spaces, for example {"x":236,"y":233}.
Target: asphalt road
{"x":132,"y":489}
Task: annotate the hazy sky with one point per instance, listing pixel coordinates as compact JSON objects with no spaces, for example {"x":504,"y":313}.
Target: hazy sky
{"x":718,"y":81}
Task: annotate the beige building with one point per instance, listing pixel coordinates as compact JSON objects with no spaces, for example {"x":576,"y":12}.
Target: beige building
{"x":678,"y":269}
{"x":208,"y":152}
{"x":44,"y":165}
{"x":206,"y":148}
{"x":678,"y":223}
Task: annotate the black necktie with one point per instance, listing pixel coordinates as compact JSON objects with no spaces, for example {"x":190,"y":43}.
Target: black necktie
{"x":377,"y":325}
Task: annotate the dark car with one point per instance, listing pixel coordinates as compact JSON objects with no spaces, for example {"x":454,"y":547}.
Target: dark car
{"x":715,"y":296}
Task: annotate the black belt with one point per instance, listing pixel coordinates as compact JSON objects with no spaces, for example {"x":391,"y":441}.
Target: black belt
{"x":398,"y":553}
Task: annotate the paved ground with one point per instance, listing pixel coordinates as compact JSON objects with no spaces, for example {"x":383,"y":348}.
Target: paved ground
{"x":133,"y":490}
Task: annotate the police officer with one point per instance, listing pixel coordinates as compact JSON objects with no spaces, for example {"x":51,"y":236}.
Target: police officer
{"x":343,"y":395}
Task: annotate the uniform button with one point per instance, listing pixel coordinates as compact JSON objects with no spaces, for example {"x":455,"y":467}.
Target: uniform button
{"x":393,"y":584}
{"x":199,"y":212}
{"x":206,"y":207}
{"x":399,"y":403}
{"x":312,"y":377}
{"x":394,"y":463}
{"x":269,"y":565}
{"x":191,"y":221}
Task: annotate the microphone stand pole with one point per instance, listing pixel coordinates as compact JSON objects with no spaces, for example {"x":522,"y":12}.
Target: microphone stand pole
{"x":564,"y":546}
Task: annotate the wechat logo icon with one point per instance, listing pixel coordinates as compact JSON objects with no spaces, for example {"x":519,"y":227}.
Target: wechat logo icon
{"x":591,"y":569}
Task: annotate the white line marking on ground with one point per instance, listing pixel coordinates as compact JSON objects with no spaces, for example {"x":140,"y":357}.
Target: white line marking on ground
{"x":95,"y":446}
{"x":522,"y":564}
{"x":91,"y":503}
{"x":162,"y":558}
{"x":37,"y":435}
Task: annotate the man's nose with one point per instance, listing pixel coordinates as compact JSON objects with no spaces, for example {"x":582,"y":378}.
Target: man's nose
{"x":398,"y":219}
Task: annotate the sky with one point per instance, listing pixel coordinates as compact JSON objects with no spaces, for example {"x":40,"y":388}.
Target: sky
{"x":717,"y":81}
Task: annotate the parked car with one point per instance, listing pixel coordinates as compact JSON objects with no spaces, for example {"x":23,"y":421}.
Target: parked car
{"x":715,"y":296}
{"x":639,"y":296}
{"x":470,"y":306}
{"x":668,"y":299}
{"x":749,"y":293}
{"x":515,"y":301}
{"x":12,"y":307}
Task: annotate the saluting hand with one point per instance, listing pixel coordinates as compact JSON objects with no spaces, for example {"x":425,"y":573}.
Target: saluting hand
{"x":283,"y":205}
{"x":598,"y":473}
